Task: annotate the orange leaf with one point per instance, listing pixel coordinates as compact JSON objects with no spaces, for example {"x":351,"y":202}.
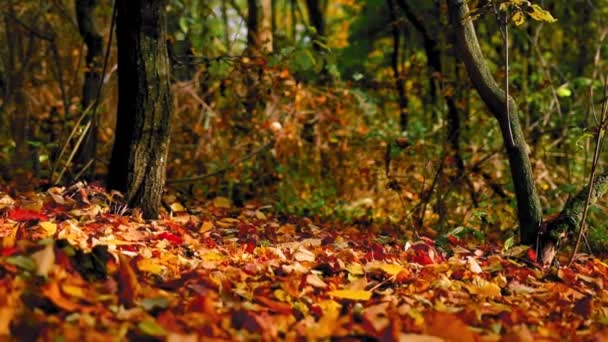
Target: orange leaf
{"x":351,"y":294}
{"x":128,"y":285}
{"x":448,"y":326}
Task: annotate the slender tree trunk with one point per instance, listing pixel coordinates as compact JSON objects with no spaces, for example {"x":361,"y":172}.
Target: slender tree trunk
{"x":528,"y":203}
{"x":259,"y":26}
{"x":433,"y":53}
{"x":85,"y":15}
{"x":399,"y":83}
{"x":317,"y":20}
{"x":140,"y":149}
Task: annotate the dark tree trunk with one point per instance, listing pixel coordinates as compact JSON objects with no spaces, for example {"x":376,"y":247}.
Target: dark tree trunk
{"x":433,"y":55}
{"x":315,"y":15}
{"x":140,"y":149}
{"x":528,"y":203}
{"x":399,"y":83}
{"x":85,"y":15}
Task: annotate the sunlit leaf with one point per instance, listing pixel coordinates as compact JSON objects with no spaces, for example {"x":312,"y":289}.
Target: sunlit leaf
{"x":563,"y":91}
{"x":49,"y":228}
{"x":518,"y":18}
{"x":539,"y":14}
{"x":351,"y":294}
{"x":222,"y":202}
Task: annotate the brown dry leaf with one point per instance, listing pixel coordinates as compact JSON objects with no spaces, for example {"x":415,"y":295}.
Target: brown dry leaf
{"x":302,"y":254}
{"x":315,"y":281}
{"x":45,"y":260}
{"x":376,"y":316}
{"x":448,"y":326}
{"x":419,"y":338}
{"x":128,"y":284}
{"x":6,"y":201}
{"x":519,"y":333}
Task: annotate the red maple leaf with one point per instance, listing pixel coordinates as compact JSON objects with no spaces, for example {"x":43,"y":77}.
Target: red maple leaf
{"x":20,"y":215}
{"x":172,"y":238}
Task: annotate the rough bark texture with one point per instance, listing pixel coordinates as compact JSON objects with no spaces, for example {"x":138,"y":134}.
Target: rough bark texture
{"x":140,"y":149}
{"x":259,"y":26}
{"x":568,"y":221}
{"x":528,"y":204}
{"x":85,"y":15}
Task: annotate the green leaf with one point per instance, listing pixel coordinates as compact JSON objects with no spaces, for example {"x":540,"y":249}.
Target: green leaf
{"x":150,"y":328}
{"x":539,"y":14}
{"x":183,"y":24}
{"x":150,"y":304}
{"x":509,"y":243}
{"x":563,"y":91}
{"x":22,"y":262}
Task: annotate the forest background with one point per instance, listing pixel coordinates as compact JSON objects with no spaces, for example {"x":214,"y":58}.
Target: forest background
{"x":385,"y":122}
{"x":356,"y":110}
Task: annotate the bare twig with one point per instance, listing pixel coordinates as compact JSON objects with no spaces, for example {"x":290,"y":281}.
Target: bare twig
{"x":596,"y":156}
{"x":222,"y":170}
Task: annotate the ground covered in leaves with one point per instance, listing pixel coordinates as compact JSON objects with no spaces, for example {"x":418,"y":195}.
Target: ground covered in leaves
{"x":75,"y":265}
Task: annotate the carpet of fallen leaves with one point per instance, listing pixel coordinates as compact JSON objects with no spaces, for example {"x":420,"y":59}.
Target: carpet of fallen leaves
{"x":75,"y":267}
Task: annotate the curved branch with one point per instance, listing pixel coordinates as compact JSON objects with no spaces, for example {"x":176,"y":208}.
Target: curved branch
{"x":528,"y":203}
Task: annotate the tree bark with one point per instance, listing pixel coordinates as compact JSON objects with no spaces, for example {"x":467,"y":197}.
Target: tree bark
{"x":568,"y":221}
{"x":259,"y":26}
{"x":399,"y":83}
{"x":528,"y":203}
{"x":85,"y":15}
{"x":315,"y":15}
{"x":139,"y":155}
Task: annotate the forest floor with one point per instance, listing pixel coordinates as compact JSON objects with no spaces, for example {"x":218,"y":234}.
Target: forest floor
{"x":75,"y":265}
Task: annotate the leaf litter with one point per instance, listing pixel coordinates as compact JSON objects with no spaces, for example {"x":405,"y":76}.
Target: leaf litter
{"x":74,"y":267}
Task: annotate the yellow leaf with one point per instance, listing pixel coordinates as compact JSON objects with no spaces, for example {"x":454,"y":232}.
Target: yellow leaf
{"x":355,"y":269}
{"x":150,"y":265}
{"x":177,"y":207}
{"x":330,"y":308}
{"x":518,"y":18}
{"x":260,"y":215}
{"x":351,"y":294}
{"x":9,"y":234}
{"x":222,"y":202}
{"x":49,"y":228}
{"x":74,"y":291}
{"x":212,"y":256}
{"x":206,"y":226}
{"x":538,"y":13}
{"x":391,"y":269}
{"x":483,"y":288}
